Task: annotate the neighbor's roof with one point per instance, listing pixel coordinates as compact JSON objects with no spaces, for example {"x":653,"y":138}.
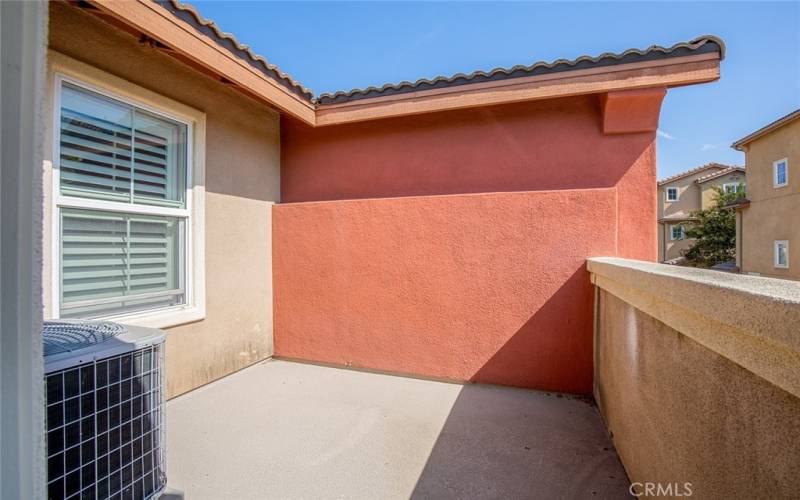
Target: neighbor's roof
{"x":707,"y":166}
{"x":719,"y":173}
{"x":780,"y":122}
{"x":188,"y":13}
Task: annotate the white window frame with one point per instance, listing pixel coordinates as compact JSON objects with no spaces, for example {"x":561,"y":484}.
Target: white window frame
{"x":775,"y":262}
{"x":775,"y":164}
{"x":666,"y":194}
{"x":672,"y":234}
{"x":735,"y":187}
{"x":67,"y":70}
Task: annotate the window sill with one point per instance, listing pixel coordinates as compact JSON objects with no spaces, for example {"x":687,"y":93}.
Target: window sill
{"x":164,"y":318}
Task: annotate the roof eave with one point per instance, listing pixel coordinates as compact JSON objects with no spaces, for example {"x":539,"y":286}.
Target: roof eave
{"x":179,"y":39}
{"x":661,"y":73}
{"x":741,"y":144}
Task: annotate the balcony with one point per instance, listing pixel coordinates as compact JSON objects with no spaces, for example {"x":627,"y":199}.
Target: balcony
{"x":696,"y":376}
{"x":289,"y":430}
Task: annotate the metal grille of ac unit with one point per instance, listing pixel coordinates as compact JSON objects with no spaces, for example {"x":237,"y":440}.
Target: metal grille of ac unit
{"x":105,"y":426}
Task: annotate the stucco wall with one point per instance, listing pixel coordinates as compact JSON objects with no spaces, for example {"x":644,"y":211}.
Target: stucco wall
{"x":452,"y":243}
{"x":488,"y":287}
{"x":242,"y":183}
{"x":672,"y":249}
{"x":691,"y":196}
{"x":692,"y":391}
{"x":554,"y":144}
{"x":707,"y":192}
{"x":767,"y":218}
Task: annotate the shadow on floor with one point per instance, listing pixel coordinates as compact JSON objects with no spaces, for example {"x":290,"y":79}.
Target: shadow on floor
{"x":511,"y":444}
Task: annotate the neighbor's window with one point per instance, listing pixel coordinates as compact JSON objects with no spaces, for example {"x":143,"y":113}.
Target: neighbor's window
{"x":122,"y":215}
{"x":731,"y":188}
{"x":780,"y":172}
{"x":676,"y":232}
{"x":782,"y":254}
{"x":672,"y":194}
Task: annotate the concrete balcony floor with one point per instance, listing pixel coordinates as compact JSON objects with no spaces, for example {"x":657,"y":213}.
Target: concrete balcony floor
{"x":289,"y":430}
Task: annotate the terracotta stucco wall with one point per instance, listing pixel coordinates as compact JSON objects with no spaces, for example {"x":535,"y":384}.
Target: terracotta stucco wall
{"x":242,"y":183}
{"x":772,"y":210}
{"x":403,"y":270}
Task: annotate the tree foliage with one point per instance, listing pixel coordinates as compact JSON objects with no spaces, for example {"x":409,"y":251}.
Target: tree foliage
{"x":714,"y":232}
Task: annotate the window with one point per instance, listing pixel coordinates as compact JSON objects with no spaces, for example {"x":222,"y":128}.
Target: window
{"x":676,"y":232}
{"x":732,"y":187}
{"x":782,"y":254}
{"x":672,"y":194}
{"x":122,"y":223}
{"x":780,"y":171}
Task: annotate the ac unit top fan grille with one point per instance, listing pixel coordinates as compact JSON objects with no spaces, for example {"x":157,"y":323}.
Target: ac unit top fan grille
{"x":68,"y":336}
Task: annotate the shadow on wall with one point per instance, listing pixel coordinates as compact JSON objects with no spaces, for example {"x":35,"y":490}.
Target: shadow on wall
{"x":528,"y":146}
{"x":536,"y":356}
{"x":505,"y":443}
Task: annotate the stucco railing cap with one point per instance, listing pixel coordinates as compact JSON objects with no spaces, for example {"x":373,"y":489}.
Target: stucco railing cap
{"x":752,"y":321}
{"x":784,"y":291}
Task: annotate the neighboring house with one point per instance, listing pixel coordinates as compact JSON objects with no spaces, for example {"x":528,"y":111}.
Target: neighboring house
{"x":684,"y":193}
{"x":192,"y":186}
{"x":768,"y":221}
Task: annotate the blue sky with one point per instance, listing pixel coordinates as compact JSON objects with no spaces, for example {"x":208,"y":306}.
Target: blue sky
{"x":331,"y":46}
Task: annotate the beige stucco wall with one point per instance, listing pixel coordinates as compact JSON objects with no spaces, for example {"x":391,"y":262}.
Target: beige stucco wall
{"x":697,"y":377}
{"x":707,"y":192}
{"x":670,"y":249}
{"x":242,"y":181}
{"x":689,"y":199}
{"x":691,"y":196}
{"x":773,"y":211}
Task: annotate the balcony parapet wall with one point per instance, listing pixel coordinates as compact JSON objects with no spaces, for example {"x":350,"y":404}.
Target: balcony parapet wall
{"x":697,"y":377}
{"x":752,"y":321}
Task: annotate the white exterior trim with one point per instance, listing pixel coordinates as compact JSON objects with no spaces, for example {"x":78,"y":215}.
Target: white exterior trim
{"x":672,"y":235}
{"x":23,"y":41}
{"x":64,"y":69}
{"x":666,"y":194}
{"x":775,"y":182}
{"x":776,"y":245}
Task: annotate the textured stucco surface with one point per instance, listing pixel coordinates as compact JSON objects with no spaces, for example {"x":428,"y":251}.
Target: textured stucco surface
{"x":771,"y":210}
{"x":488,"y":288}
{"x":539,"y":145}
{"x":242,"y":183}
{"x":691,"y":196}
{"x":452,"y":244}
{"x":317,"y":432}
{"x":750,"y":320}
{"x":680,"y":412}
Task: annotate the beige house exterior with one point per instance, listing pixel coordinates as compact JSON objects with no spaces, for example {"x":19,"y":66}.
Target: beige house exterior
{"x":228,"y":325}
{"x":767,"y":233}
{"x":684,"y":193}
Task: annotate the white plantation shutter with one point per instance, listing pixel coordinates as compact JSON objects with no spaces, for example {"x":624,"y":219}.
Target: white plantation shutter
{"x":114,"y":260}
{"x":95,"y":148}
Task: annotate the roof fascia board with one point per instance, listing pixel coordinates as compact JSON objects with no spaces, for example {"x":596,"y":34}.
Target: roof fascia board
{"x":741,"y":144}
{"x":669,"y":72}
{"x":159,"y":24}
{"x":189,"y":45}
